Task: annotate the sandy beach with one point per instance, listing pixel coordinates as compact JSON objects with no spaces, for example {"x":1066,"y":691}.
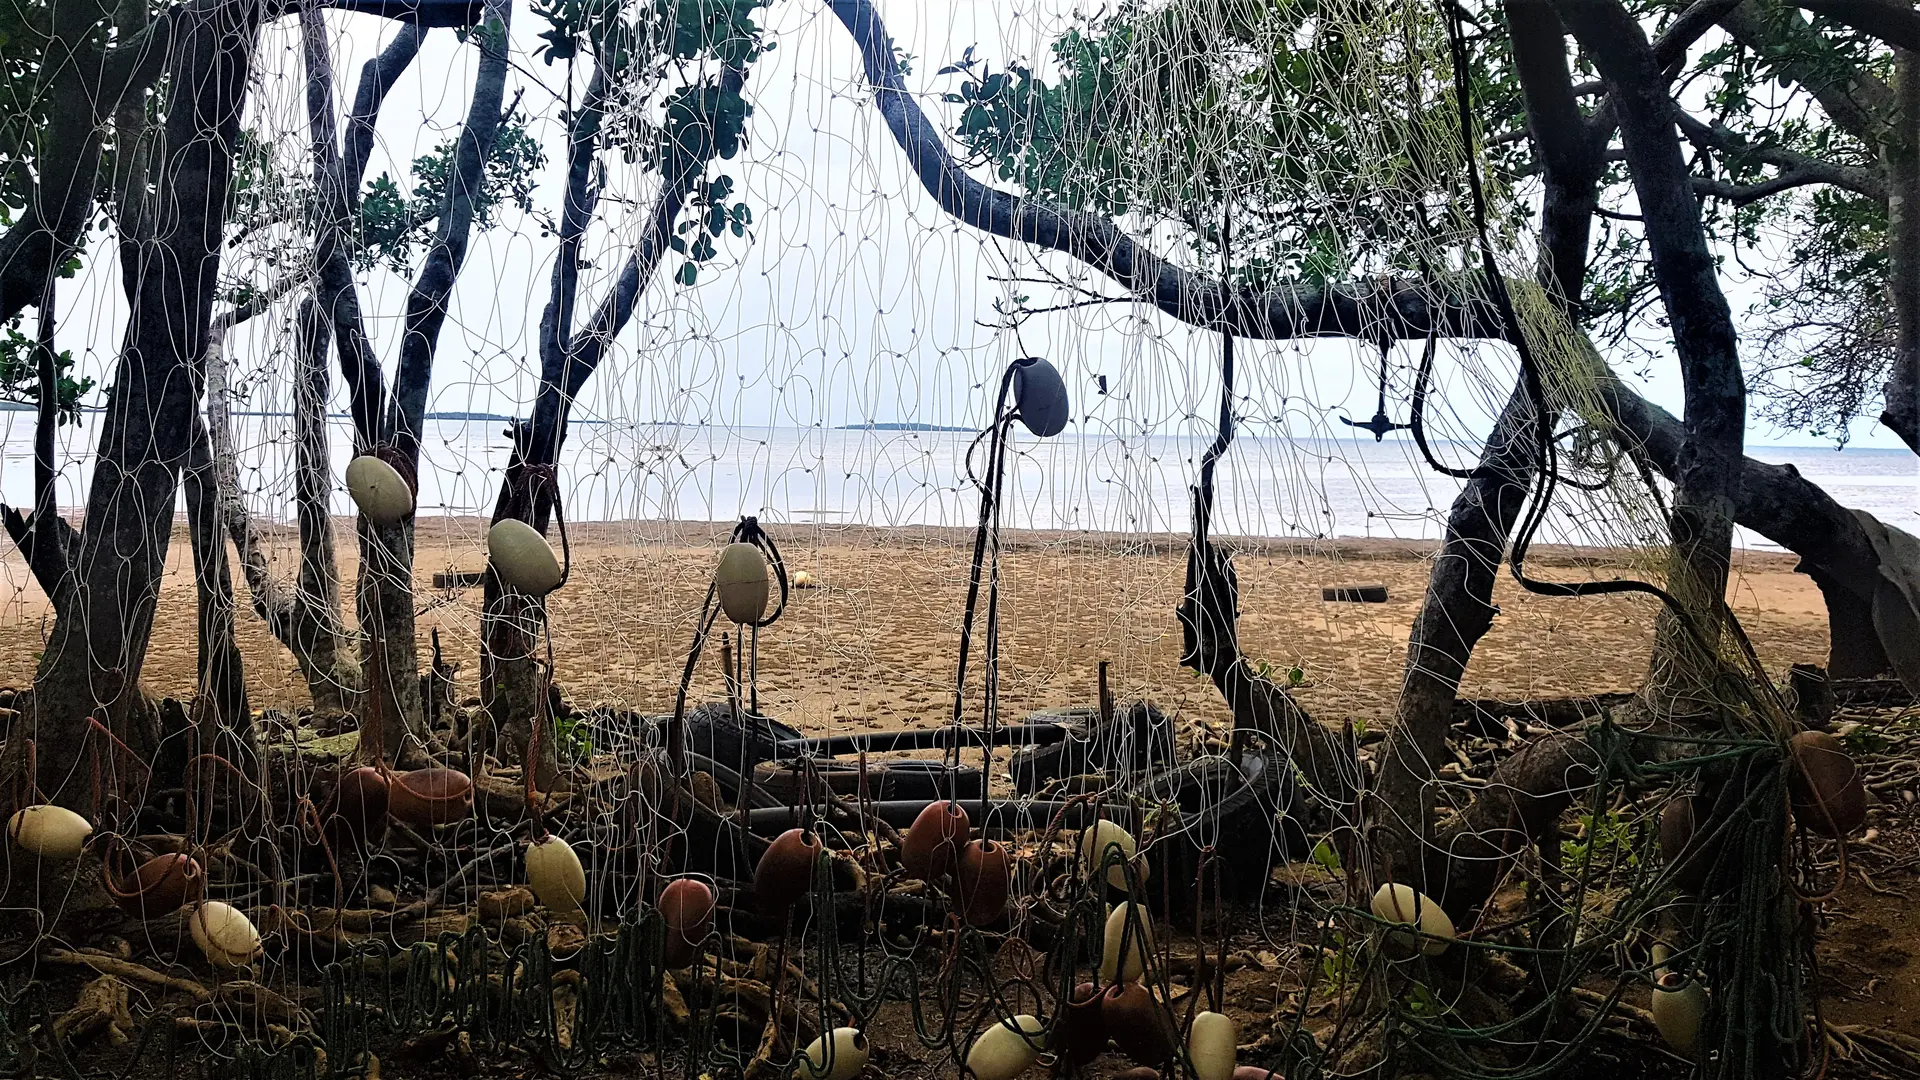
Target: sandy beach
{"x":875,"y":643}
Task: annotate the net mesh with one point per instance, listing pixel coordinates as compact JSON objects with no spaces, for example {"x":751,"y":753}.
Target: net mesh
{"x":816,"y":345}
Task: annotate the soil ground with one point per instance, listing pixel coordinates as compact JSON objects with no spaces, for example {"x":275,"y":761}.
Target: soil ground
{"x":873,"y":645}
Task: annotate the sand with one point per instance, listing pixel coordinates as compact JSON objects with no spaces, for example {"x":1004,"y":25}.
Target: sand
{"x":875,"y":644}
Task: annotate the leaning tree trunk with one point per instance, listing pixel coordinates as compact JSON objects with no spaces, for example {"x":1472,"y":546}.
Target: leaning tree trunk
{"x":390,"y":656}
{"x":1458,"y":609}
{"x":1902,"y":157}
{"x":512,"y":685}
{"x":220,"y":711}
{"x":306,"y":619}
{"x":93,"y":659}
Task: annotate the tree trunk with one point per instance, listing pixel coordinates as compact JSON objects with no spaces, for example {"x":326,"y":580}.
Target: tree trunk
{"x":93,"y":659}
{"x":1458,"y":609}
{"x":1853,"y":644}
{"x":332,"y":677}
{"x":389,"y":654}
{"x":83,"y":85}
{"x":220,"y":705}
{"x":384,"y":600}
{"x":1901,"y":154}
{"x":512,"y":684}
{"x":1457,"y":612}
{"x":307,"y":619}
{"x":1685,"y":654}
{"x":44,"y":538}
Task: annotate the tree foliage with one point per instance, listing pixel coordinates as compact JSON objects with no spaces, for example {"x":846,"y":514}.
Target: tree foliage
{"x":1167,"y":112}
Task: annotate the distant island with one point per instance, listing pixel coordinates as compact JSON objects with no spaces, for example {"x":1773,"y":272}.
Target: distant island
{"x":900,"y":427}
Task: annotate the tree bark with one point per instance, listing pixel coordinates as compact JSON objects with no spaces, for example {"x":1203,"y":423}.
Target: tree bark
{"x":1458,"y":609}
{"x":84,"y":86}
{"x":385,"y":594}
{"x":220,"y":708}
{"x":1901,"y":154}
{"x":307,"y":618}
{"x":1706,"y":345}
{"x":93,"y":659}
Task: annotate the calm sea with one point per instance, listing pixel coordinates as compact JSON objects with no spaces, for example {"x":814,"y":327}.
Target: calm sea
{"x":1100,"y":482}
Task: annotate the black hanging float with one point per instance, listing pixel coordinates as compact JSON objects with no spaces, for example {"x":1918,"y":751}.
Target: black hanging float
{"x":1381,"y":422}
{"x":1040,"y":396}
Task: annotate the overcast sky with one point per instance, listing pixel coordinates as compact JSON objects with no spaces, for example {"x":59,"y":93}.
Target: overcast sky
{"x":854,"y":300}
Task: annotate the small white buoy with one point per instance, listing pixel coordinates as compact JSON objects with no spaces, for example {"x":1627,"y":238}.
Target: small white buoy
{"x":1006,"y":1049}
{"x":837,"y":1055}
{"x":1211,"y":1045}
{"x":1139,"y":940}
{"x":224,"y":934}
{"x":741,"y":581}
{"x":1401,"y":904}
{"x":522,"y":557}
{"x":379,"y":490}
{"x":1679,"y":1008}
{"x":555,"y":874}
{"x":1098,"y":841}
{"x":51,"y":832}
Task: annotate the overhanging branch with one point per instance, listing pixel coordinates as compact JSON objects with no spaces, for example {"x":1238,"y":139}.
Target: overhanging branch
{"x":1809,"y":169}
{"x":1369,"y":310}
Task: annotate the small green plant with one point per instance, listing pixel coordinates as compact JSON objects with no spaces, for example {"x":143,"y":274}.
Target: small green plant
{"x":1607,"y":839}
{"x":574,"y":737}
{"x":1421,"y":1001}
{"x":1864,"y":740}
{"x":1325,"y":856}
{"x":1338,"y":964}
{"x":1294,"y":676}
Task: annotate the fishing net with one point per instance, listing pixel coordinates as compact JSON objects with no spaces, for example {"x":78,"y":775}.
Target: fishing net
{"x":992,"y":500}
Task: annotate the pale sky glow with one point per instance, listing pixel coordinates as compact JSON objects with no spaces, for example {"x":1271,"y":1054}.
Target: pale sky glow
{"x":855,"y":298}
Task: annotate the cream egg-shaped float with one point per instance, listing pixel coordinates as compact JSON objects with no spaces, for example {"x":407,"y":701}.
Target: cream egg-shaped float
{"x":1401,"y":904}
{"x":224,"y":934}
{"x":522,"y":557}
{"x":51,"y":832}
{"x":378,"y":490}
{"x":1128,"y":940}
{"x":1097,"y":846}
{"x":1679,"y":1007}
{"x":1211,"y":1045}
{"x":837,"y":1055}
{"x":1006,"y":1049}
{"x":742,"y":583}
{"x":554,"y":872}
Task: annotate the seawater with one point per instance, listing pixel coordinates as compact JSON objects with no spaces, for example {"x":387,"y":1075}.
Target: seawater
{"x":1094,"y":481}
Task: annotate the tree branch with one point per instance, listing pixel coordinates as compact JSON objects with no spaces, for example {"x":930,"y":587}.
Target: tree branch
{"x":336,"y":185}
{"x":1856,"y":100}
{"x":256,"y":304}
{"x":85,"y":86}
{"x":377,"y":77}
{"x":1681,"y":34}
{"x":1742,"y":194}
{"x":1350,"y":310}
{"x":1892,"y":21}
{"x":1814,"y":170}
{"x":427,"y":303}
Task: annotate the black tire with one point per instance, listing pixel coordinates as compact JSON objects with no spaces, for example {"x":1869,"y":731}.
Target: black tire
{"x":1139,"y":738}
